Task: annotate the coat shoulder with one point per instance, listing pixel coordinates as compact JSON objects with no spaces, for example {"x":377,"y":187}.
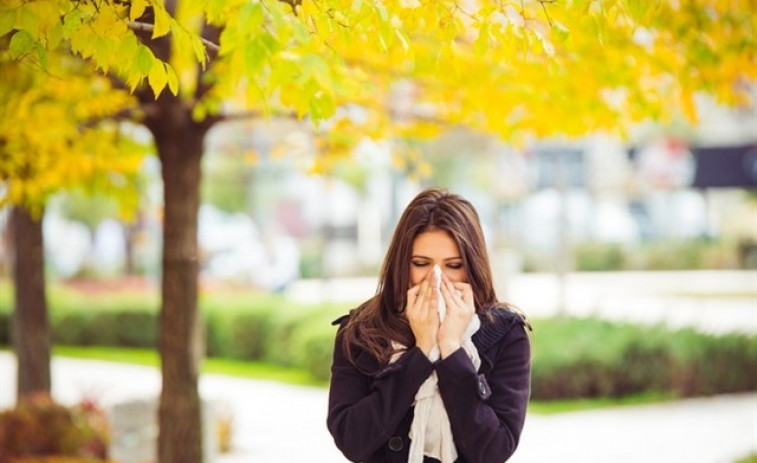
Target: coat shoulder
{"x":498,"y":324}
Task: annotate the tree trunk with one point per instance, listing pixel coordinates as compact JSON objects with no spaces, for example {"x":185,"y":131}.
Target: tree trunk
{"x":130,"y":233}
{"x":31,"y":330}
{"x":179,"y":141}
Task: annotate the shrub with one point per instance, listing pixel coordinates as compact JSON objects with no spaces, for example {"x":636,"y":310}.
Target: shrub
{"x":39,"y":427}
{"x":238,"y":334}
{"x":690,"y":254}
{"x":5,"y":329}
{"x":599,"y":257}
{"x":125,"y":328}
{"x":312,"y":346}
{"x":583,"y":358}
{"x":572,"y":357}
{"x":706,"y":364}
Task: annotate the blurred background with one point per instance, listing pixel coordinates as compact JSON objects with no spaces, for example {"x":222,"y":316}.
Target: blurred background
{"x":610,"y":149}
{"x":671,"y":198}
{"x":635,"y":261}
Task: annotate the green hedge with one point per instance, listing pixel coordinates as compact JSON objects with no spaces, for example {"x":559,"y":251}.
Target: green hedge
{"x":578,"y":358}
{"x":572,"y":358}
{"x":659,"y":255}
{"x":242,"y":326}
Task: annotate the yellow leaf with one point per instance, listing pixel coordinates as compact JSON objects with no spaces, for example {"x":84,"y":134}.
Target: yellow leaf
{"x":173,"y":80}
{"x":162,"y":21}
{"x":157,"y":77}
{"x":689,"y":106}
{"x":199,"y":50}
{"x":137,"y":9}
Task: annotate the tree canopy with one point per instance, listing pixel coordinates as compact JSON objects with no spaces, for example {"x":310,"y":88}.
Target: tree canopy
{"x":511,"y":67}
{"x":57,"y":132}
{"x":352,"y":68}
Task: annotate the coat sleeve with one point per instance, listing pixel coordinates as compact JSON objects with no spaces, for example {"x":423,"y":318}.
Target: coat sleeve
{"x":365,"y":411}
{"x":487,"y":413}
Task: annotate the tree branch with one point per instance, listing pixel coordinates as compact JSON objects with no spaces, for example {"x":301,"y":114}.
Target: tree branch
{"x":145,"y":27}
{"x":203,"y":86}
{"x":293,"y":4}
{"x":256,"y":115}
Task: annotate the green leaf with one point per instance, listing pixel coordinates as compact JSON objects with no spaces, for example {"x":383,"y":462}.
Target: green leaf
{"x":254,"y":54}
{"x":300,"y":32}
{"x":28,"y":21}
{"x":321,"y":106}
{"x":55,"y":36}
{"x":277,"y":15}
{"x":637,"y":9}
{"x":143,"y":60}
{"x":314,"y":67}
{"x":251,"y":18}
{"x":21,"y":44}
{"x":270,"y":43}
{"x":42,"y":55}
{"x":127,"y":47}
{"x":559,"y":32}
{"x":72,"y":22}
{"x":7,"y":21}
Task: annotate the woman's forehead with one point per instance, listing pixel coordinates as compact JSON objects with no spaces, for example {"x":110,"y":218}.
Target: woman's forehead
{"x":435,"y":243}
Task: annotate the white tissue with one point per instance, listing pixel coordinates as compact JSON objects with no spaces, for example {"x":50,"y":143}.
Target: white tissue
{"x":442,"y":305}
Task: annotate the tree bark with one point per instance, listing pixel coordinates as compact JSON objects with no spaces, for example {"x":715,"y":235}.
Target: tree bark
{"x":130,"y":233}
{"x":31,"y":330}
{"x":179,"y":142}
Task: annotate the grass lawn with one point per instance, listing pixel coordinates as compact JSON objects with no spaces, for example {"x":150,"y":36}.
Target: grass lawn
{"x":148,"y":357}
{"x":266,"y":371}
{"x":748,"y":459}
{"x":563,"y":406}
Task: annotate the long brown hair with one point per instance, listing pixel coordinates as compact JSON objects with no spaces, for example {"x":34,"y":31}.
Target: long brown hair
{"x":380,"y":320}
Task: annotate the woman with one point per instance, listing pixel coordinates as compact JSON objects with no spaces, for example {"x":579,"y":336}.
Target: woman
{"x":411,"y":383}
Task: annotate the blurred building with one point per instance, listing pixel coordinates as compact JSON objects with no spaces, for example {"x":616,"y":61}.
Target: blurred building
{"x":266,"y":221}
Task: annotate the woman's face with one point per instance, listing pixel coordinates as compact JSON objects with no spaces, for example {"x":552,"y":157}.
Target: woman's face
{"x":436,"y":247}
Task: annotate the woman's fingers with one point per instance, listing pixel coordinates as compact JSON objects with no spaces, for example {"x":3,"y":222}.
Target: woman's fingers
{"x":418,"y":296}
{"x":466,"y":293}
{"x":412,"y":295}
{"x":448,"y":292}
{"x":424,"y":322}
{"x":454,"y":292}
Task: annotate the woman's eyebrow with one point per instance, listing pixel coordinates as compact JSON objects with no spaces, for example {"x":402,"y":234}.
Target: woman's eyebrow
{"x":428,"y":258}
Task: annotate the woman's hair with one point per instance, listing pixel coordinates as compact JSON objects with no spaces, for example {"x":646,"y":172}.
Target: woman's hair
{"x":380,"y":320}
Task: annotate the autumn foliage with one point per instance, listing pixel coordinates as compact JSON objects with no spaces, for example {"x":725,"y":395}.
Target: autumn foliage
{"x":39,"y":428}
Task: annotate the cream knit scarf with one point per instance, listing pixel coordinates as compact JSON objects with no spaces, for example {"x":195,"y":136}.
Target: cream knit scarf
{"x":430,"y":431}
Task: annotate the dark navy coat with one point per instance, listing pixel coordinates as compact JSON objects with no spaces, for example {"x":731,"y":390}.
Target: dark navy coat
{"x":369,"y":416}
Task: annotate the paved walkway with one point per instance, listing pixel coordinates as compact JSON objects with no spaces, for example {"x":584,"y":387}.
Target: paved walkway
{"x":275,"y":423}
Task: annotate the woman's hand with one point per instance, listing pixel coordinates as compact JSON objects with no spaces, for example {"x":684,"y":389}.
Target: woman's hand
{"x":460,"y":309}
{"x":422,"y":313}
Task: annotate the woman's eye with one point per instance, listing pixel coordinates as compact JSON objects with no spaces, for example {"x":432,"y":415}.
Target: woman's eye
{"x":455,"y":266}
{"x":420,"y":264}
